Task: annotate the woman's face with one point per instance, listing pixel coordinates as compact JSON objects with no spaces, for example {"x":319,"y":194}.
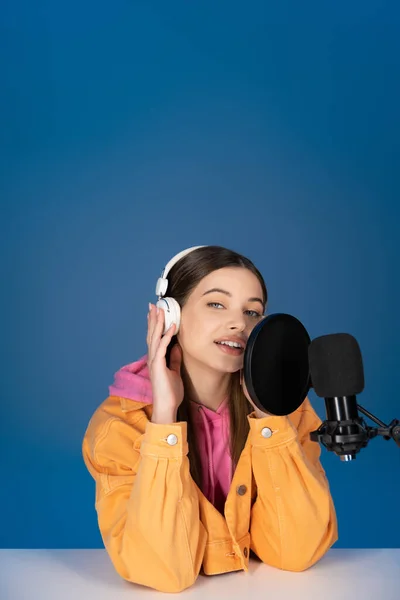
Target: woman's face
{"x":224,"y":307}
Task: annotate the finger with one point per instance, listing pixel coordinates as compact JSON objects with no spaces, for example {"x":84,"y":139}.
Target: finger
{"x":157,"y":332}
{"x":164,"y":342}
{"x":152,"y":322}
{"x":148,"y":327}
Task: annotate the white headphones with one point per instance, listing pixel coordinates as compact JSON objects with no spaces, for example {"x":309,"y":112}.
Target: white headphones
{"x":170,"y":306}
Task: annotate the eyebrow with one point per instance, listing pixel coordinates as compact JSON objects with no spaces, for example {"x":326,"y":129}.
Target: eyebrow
{"x":230,"y":295}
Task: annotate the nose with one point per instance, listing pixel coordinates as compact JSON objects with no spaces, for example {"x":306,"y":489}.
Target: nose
{"x":237,"y":322}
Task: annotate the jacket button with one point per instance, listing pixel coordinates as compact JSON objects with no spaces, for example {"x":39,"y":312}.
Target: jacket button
{"x":172,"y":439}
{"x":241,"y":490}
{"x":266,"y":432}
{"x":245,"y":552}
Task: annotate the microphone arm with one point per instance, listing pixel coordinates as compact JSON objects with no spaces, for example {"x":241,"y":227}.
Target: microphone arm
{"x":391,"y":431}
{"x":346,"y":438}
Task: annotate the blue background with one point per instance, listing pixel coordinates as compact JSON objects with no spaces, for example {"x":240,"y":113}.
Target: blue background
{"x":132,"y":130}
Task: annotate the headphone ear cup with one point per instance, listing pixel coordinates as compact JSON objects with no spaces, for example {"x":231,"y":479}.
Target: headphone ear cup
{"x":172,"y":313}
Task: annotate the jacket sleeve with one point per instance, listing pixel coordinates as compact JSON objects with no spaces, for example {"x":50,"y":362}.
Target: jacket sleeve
{"x":146,"y":501}
{"x":293,"y":519}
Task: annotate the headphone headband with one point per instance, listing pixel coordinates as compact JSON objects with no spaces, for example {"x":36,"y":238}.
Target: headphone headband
{"x":162,"y":282}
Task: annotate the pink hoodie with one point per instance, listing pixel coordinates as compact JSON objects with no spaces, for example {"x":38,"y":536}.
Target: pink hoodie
{"x":212,"y":430}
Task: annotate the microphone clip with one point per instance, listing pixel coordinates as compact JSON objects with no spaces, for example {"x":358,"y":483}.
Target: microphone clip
{"x":346,"y":438}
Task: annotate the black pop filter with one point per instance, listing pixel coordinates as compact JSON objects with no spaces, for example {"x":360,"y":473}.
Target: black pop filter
{"x":276,"y":370}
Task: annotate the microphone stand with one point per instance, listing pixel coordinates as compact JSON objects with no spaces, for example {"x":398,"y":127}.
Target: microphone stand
{"x":391,"y":431}
{"x":347,"y":437}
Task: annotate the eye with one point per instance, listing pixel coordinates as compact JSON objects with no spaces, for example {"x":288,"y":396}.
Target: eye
{"x":214,"y":304}
{"x":254,"y":314}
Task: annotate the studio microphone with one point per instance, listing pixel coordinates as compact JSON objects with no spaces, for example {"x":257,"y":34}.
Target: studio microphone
{"x":280,"y":366}
{"x":337,"y":375}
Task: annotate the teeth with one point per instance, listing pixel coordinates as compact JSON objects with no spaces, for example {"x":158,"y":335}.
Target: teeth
{"x":231,"y":344}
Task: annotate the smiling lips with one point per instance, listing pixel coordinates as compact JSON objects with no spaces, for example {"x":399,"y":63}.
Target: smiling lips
{"x":232,"y":345}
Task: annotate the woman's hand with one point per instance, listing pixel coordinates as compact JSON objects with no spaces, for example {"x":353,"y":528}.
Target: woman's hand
{"x":167,"y":384}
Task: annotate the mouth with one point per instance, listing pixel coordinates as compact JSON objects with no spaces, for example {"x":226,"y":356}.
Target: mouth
{"x":232,"y":348}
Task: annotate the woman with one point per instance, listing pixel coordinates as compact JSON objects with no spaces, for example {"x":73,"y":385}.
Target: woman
{"x":190,"y":475}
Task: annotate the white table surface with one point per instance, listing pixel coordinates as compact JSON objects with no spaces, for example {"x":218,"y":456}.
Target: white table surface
{"x":342,"y":574}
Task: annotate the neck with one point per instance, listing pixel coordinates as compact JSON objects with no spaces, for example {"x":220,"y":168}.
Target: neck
{"x":204,"y":385}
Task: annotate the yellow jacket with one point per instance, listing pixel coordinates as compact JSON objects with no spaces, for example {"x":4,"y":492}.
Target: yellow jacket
{"x":160,"y":530}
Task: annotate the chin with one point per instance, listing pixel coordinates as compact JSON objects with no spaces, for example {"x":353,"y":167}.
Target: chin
{"x":230,"y":365}
{"x":222,"y":364}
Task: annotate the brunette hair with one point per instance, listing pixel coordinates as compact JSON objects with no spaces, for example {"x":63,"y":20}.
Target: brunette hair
{"x":182,"y":279}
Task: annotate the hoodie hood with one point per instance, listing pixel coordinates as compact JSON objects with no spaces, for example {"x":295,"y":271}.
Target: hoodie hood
{"x":133,"y":382}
